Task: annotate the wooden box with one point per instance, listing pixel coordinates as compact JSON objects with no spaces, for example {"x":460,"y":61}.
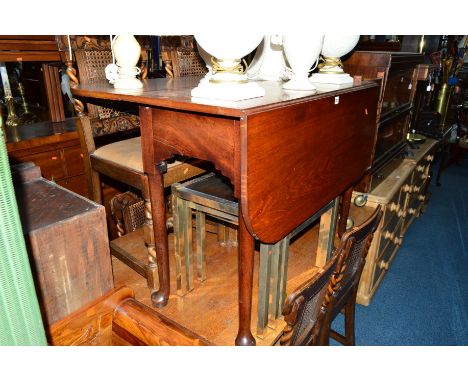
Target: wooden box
{"x":402,"y":195}
{"x":67,"y":241}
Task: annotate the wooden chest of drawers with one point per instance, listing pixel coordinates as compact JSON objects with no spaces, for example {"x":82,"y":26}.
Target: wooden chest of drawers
{"x":55,"y":148}
{"x":403,"y":196}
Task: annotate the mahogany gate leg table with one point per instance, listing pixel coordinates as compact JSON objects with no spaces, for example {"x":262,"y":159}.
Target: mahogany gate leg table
{"x":287,"y":155}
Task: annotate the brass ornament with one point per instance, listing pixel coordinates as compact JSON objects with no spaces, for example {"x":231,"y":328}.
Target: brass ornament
{"x":328,"y":63}
{"x":219,"y":66}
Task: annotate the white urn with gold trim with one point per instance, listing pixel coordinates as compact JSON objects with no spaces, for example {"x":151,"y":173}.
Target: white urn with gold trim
{"x":331,"y":68}
{"x":228,"y":80}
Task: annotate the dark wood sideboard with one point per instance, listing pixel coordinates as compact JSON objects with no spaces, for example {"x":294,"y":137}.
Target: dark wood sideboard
{"x":398,"y":73}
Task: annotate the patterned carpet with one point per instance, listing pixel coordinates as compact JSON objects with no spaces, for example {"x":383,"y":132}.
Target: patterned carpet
{"x":423,"y":300}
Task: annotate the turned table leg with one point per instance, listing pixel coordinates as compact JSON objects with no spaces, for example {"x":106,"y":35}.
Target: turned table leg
{"x":158,"y":210}
{"x":246,"y":264}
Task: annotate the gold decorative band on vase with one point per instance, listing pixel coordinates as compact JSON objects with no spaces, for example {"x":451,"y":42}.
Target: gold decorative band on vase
{"x":228,"y":71}
{"x":329,"y":65}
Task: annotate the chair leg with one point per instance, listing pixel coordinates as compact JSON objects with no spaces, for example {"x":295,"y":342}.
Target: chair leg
{"x":96,"y":189}
{"x":350,"y":310}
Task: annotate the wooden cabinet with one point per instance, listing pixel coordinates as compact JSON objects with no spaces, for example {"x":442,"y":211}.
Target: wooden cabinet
{"x":55,"y":148}
{"x":403,"y":196}
{"x":398,"y":73}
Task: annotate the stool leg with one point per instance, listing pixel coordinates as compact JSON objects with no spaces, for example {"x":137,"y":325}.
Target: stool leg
{"x":275,"y":280}
{"x":283,"y":276}
{"x":222,"y":235}
{"x":263,"y":287}
{"x":232,"y":237}
{"x":201,"y":245}
{"x":187,"y":245}
{"x":178,"y":240}
{"x":327,"y":230}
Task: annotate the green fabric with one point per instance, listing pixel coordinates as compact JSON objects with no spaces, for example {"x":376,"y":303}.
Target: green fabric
{"x":20,"y":318}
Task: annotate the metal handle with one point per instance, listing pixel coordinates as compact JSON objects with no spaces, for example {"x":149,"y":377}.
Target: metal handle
{"x":407,"y":188}
{"x":388,"y":235}
{"x":383,"y":265}
{"x":394,"y":207}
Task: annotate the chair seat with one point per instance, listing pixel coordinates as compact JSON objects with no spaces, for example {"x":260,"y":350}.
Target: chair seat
{"x":125,"y":153}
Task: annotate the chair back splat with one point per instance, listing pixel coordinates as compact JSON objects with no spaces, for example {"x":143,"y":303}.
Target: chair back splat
{"x":311,"y":308}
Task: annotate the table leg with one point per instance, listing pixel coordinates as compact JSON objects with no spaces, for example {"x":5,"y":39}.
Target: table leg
{"x":161,"y":296}
{"x":245,"y":269}
{"x":344,"y":210}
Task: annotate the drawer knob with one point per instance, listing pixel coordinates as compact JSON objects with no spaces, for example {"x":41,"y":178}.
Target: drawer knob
{"x":429,"y":157}
{"x":412,"y":211}
{"x":420,"y":168}
{"x":416,"y":189}
{"x":394,"y":207}
{"x":398,"y":240}
{"x":388,"y":235}
{"x":422,"y":198}
{"x":407,"y":188}
{"x":401,"y":214}
{"x":383,"y":265}
{"x":423,"y":176}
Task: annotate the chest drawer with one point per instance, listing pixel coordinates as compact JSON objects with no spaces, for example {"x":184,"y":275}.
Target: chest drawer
{"x":393,"y":209}
{"x":385,"y":257}
{"x":390,"y":235}
{"x":74,"y":161}
{"x":50,"y":163}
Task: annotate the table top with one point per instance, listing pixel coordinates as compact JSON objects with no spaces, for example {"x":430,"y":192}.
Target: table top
{"x":175,"y":93}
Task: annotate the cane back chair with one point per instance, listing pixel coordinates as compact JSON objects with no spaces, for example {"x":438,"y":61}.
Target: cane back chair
{"x":120,"y":160}
{"x":309,"y":310}
{"x":356,"y":243}
{"x":180,"y":57}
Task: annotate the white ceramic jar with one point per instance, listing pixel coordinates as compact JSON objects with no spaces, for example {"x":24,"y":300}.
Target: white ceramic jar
{"x":302,"y":51}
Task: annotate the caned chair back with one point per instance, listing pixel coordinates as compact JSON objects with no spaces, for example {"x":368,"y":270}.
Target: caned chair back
{"x":181,"y":58}
{"x":309,"y":310}
{"x":104,"y":120}
{"x":305,"y":309}
{"x":356,"y":243}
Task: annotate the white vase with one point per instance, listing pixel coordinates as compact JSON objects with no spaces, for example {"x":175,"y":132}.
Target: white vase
{"x":269,"y":63}
{"x":228,"y":80}
{"x":301,"y":51}
{"x":331,"y":70}
{"x":127,"y":50}
{"x":207,"y":59}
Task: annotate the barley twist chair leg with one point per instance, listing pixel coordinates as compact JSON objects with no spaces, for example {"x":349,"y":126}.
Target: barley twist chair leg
{"x":151,"y":268}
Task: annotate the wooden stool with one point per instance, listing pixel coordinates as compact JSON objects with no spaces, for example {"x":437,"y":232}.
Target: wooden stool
{"x":213,"y":196}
